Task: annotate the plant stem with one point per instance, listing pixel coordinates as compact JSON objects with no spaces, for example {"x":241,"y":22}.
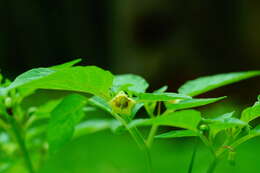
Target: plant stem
{"x":20,"y":140}
{"x":154,"y":127}
{"x":141,"y":142}
{"x":152,"y":133}
{"x":137,"y":136}
{"x":207,"y":143}
{"x":194,"y":152}
{"x":213,"y":165}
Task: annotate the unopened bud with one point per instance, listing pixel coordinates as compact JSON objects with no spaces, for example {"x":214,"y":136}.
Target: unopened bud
{"x":122,"y":104}
{"x":204,"y":127}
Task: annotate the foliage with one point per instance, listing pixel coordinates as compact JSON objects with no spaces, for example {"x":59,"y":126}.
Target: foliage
{"x":45,"y":108}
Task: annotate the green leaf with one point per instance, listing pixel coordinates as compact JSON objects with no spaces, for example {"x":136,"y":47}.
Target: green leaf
{"x":255,"y":131}
{"x":191,"y":103}
{"x":66,"y":65}
{"x":30,"y":76}
{"x":140,"y":122}
{"x":88,"y":79}
{"x":223,"y":122}
{"x":130,"y":82}
{"x":252,"y":133}
{"x":92,"y":126}
{"x":204,"y":84}
{"x":63,"y":120}
{"x":251,"y":113}
{"x":43,"y":100}
{"x":188,"y":119}
{"x":162,"y":89}
{"x":151,"y":97}
{"x":178,"y":134}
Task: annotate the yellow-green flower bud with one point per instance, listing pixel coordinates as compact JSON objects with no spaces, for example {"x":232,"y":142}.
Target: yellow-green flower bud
{"x":122,"y":104}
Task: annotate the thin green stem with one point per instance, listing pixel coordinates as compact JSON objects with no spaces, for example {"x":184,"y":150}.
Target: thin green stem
{"x":137,"y":136}
{"x":207,"y":143}
{"x":151,"y":135}
{"x":20,"y":140}
{"x":194,"y":152}
{"x":213,"y":165}
{"x":154,"y":128}
{"x":141,"y":142}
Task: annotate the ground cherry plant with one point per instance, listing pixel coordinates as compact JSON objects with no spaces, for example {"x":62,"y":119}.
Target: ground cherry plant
{"x":45,"y":108}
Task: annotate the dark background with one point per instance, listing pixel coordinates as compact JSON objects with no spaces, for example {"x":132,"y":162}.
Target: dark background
{"x":166,"y":41}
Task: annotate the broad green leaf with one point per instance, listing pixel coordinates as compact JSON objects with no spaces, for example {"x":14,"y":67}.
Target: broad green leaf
{"x":130,"y":82}
{"x":251,"y":113}
{"x":30,"y":76}
{"x":191,"y":103}
{"x":38,"y":73}
{"x":178,"y":134}
{"x":204,"y":84}
{"x":63,"y":120}
{"x":151,"y":97}
{"x":66,"y":65}
{"x":188,"y":119}
{"x":88,"y":79}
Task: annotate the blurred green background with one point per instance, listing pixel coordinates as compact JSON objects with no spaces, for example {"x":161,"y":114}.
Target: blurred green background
{"x":166,"y":41}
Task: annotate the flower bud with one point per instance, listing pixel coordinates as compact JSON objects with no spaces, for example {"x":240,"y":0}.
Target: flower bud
{"x":122,"y":104}
{"x":204,"y":127}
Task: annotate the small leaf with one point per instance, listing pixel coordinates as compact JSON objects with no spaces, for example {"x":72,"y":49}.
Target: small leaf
{"x":205,"y":84}
{"x":63,"y":120}
{"x":191,"y":103}
{"x":133,"y":83}
{"x":252,"y":133}
{"x":223,"y":122}
{"x":178,"y":134}
{"x":251,"y":113}
{"x":66,"y":65}
{"x":151,"y":97}
{"x":255,"y":132}
{"x":162,"y":89}
{"x":188,"y":119}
